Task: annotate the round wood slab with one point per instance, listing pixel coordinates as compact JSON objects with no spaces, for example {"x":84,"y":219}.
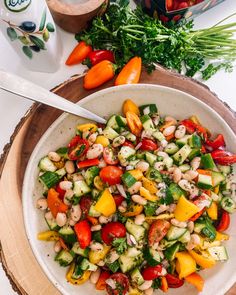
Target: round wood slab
{"x":17,"y":258}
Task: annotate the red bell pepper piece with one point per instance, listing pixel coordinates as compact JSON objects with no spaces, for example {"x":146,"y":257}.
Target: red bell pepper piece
{"x":191,"y":127}
{"x":96,"y":56}
{"x":223,"y":157}
{"x":88,"y":163}
{"x":218,"y":142}
{"x":224,"y":222}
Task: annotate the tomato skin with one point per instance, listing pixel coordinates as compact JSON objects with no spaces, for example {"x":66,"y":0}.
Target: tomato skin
{"x":152,"y":272}
{"x":101,"y":283}
{"x":113,"y":230}
{"x":85,"y":204}
{"x":123,"y":282}
{"x":75,"y":145}
{"x":60,"y":191}
{"x":224,"y":222}
{"x":118,"y":199}
{"x":226,"y":161}
{"x":148,"y":145}
{"x":129,"y":144}
{"x":218,"y":142}
{"x":173,"y":281}
{"x":83,"y":233}
{"x":111,"y":175}
{"x":157,"y":231}
{"x":190,"y":126}
{"x":88,"y":163}
{"x":55,"y":204}
{"x":109,"y":156}
{"x":219,"y":154}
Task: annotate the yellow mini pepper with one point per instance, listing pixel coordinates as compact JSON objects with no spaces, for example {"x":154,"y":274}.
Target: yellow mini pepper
{"x":203,"y":259}
{"x":212,"y":211}
{"x":87,"y":127}
{"x":147,"y":195}
{"x":102,"y":140}
{"x":149,"y":185}
{"x":80,"y":280}
{"x":48,"y":236}
{"x":106,"y":204}
{"x":96,"y":256}
{"x":185,"y":209}
{"x":133,"y":210}
{"x":130,"y":106}
{"x":185,"y":264}
{"x":136,"y":173}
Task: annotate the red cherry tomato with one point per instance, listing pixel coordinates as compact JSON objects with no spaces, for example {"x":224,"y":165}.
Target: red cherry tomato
{"x":157,"y":231}
{"x":148,"y":145}
{"x":218,"y":142}
{"x":224,"y":222}
{"x":60,"y":191}
{"x":219,"y":154}
{"x":101,"y":283}
{"x":190,"y":126}
{"x":77,"y":148}
{"x":118,"y":199}
{"x":152,"y":272}
{"x":110,"y":156}
{"x":85,"y":204}
{"x":113,"y":230}
{"x":111,"y":175}
{"x":129,"y":144}
{"x":173,"y":281}
{"x":83,"y":233}
{"x":122,"y":283}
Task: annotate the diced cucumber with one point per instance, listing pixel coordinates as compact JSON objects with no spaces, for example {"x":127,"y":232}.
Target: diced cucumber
{"x":228,"y":204}
{"x":218,"y":253}
{"x":96,"y":236}
{"x":86,"y":265}
{"x":128,"y":135}
{"x":151,"y":158}
{"x":217,"y":178}
{"x":158,"y":135}
{"x":166,"y":244}
{"x":68,"y":234}
{"x":183,"y":141}
{"x":171,"y":251}
{"x":195,"y":141}
{"x":171,"y":148}
{"x":136,"y":277}
{"x":185,"y":167}
{"x":130,"y":259}
{"x":114,"y":266}
{"x":128,"y":179}
{"x":52,"y":224}
{"x":195,"y":152}
{"x":176,"y":191}
{"x":121,"y":121}
{"x":198,"y":227}
{"x":95,"y":193}
{"x":224,"y":169}
{"x":77,"y":250}
{"x":64,"y":258}
{"x":153,"y":174}
{"x":174,"y":233}
{"x":110,"y":133}
{"x":147,"y":123}
{"x":148,"y":109}
{"x":81,"y":188}
{"x":168,"y":162}
{"x":185,"y":237}
{"x":49,"y":179}
{"x":112,"y":122}
{"x":90,"y":174}
{"x":207,"y":162}
{"x":93,"y":212}
{"x":124,"y":153}
{"x":205,"y":227}
{"x":180,"y":156}
{"x":204,"y":181}
{"x":61,"y":172}
{"x":152,"y":256}
{"x":46,"y":164}
{"x":135,"y":230}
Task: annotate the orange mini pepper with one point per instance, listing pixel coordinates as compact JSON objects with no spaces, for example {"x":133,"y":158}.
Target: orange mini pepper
{"x":134,"y":123}
{"x":130,"y":74}
{"x":79,"y":53}
{"x":196,"y":280}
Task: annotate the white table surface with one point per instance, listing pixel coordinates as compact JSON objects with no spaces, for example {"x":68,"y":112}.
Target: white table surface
{"x":13,"y":108}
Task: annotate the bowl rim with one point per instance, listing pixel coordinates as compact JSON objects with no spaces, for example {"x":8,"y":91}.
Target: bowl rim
{"x":95,"y":95}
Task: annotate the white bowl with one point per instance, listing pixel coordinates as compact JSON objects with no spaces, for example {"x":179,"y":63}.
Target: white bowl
{"x":105,"y":103}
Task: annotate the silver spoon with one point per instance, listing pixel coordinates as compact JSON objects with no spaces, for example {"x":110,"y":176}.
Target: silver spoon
{"x":24,"y":88}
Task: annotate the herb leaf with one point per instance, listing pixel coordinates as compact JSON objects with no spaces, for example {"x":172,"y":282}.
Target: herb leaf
{"x":120,"y":244}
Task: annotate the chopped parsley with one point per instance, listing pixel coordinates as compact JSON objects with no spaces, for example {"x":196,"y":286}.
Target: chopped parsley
{"x":120,"y":244}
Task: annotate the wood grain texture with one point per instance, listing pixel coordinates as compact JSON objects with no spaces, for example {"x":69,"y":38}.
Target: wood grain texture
{"x":24,"y":273}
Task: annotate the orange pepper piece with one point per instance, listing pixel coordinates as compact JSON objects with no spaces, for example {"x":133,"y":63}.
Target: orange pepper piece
{"x":92,"y":220}
{"x":101,"y":283}
{"x":164,"y":284}
{"x":130,"y":106}
{"x":55,"y":204}
{"x":196,"y":280}
{"x":134,"y":123}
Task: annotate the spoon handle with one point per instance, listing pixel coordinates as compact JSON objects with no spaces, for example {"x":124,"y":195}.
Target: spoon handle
{"x":24,"y":88}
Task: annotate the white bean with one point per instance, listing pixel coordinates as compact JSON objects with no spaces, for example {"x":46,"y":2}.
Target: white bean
{"x":180,"y":132}
{"x":65,"y":185}
{"x":122,"y":209}
{"x":96,"y":227}
{"x":96,"y":246}
{"x":71,"y":222}
{"x":57,"y":247}
{"x":195,"y":163}
{"x":103,"y":219}
{"x":161,"y":209}
{"x":95,"y":151}
{"x":48,"y":215}
{"x":146,"y":285}
{"x":61,"y":219}
{"x":75,"y":212}
{"x":190,"y":226}
{"x":69,"y":194}
{"x":177,"y":174}
{"x":172,"y":208}
{"x":92,"y":138}
{"x":69,"y":166}
{"x":190,"y":175}
{"x":139,"y":200}
{"x":164,"y":143}
{"x":135,"y":187}
{"x":194,"y":241}
{"x":102,"y":163}
{"x":142,"y":166}
{"x":95,"y":276}
{"x":42,"y":204}
{"x":118,"y":141}
{"x":124,"y":204}
{"x":162,"y":154}
{"x":53,"y":156}
{"x":159,"y":166}
{"x":139,"y":219}
{"x":178,"y":223}
{"x":149,"y":291}
{"x":185,"y":185}
{"x":169,"y":130}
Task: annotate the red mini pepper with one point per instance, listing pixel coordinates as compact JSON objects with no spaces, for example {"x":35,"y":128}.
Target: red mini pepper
{"x":218,"y":142}
{"x":97,"y":56}
{"x":88,"y":163}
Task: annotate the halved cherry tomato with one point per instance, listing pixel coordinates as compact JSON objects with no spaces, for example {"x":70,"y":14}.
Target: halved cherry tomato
{"x":121,"y":282}
{"x":157,"y":231}
{"x":190,"y":125}
{"x":88,"y":163}
{"x":77,"y":148}
{"x":55,"y":204}
{"x":113,"y":230}
{"x":128,"y":143}
{"x":152,"y":272}
{"x":111,"y":175}
{"x":148,"y":145}
{"x":173,"y":281}
{"x":85,"y":204}
{"x":110,"y":156}
{"x":118,"y":199}
{"x":134,"y":123}
{"x":218,"y":142}
{"x":83,"y":233}
{"x":224,"y":222}
{"x":101,"y":283}
{"x":60,"y":191}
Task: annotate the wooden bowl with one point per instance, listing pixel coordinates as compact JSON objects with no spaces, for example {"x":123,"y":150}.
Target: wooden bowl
{"x":74,"y":18}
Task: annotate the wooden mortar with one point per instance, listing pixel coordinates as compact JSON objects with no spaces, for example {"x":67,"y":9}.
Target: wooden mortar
{"x":74,"y":18}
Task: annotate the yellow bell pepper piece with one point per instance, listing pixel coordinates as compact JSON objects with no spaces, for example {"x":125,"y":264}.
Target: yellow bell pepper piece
{"x":221,"y":237}
{"x":130,"y":106}
{"x":185,"y":209}
{"x":149,"y":185}
{"x":133,"y":210}
{"x":185,"y":264}
{"x":80,"y":280}
{"x":102,"y":140}
{"x":212,"y":211}
{"x":134,"y":291}
{"x":48,"y":236}
{"x":87,"y":127}
{"x":106,"y":204}
{"x":136,"y":173}
{"x":96,"y":256}
{"x":216,"y":189}
{"x":98,"y":183}
{"x":147,"y":195}
{"x":203,"y":259}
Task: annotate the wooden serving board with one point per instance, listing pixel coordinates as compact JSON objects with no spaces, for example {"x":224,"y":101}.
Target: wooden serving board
{"x":18,"y":261}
